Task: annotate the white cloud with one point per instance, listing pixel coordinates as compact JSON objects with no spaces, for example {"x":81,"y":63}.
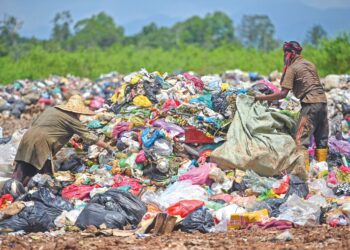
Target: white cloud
{"x":327,"y":4}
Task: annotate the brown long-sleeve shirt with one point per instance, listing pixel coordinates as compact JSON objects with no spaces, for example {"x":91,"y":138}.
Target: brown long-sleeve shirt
{"x":302,"y":78}
{"x":48,"y":134}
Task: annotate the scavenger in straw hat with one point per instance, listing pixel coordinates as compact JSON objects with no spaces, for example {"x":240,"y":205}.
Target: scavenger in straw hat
{"x":48,"y":134}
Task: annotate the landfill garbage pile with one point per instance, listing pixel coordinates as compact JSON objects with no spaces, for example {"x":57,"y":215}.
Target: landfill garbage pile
{"x":24,"y":99}
{"x":191,"y":154}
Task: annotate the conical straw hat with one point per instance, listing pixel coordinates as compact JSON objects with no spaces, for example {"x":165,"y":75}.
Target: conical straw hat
{"x":75,"y":104}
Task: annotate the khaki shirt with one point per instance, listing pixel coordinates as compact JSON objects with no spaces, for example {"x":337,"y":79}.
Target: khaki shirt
{"x":302,"y":78}
{"x":48,"y":134}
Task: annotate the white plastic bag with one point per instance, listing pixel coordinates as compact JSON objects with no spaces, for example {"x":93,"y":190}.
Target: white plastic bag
{"x":219,"y":188}
{"x":181,"y":190}
{"x":318,"y":200}
{"x":345,"y":208}
{"x":320,"y":186}
{"x":300,"y":212}
{"x":67,"y":218}
{"x":225,"y":212}
{"x":8,"y":153}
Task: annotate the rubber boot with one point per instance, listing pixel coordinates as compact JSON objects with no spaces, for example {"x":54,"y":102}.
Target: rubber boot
{"x":321,"y":154}
{"x":307,"y":160}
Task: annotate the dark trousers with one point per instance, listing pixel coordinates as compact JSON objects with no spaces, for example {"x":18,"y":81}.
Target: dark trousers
{"x":25,"y":171}
{"x":312,"y":121}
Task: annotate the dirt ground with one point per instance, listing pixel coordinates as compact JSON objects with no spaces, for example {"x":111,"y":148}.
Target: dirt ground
{"x":322,"y":237}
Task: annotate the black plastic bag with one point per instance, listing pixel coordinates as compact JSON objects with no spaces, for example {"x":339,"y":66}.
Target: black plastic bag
{"x":154,"y":174}
{"x":124,"y":202}
{"x":262,"y":88}
{"x":16,"y":113}
{"x":151,"y":90}
{"x":220,"y":102}
{"x":334,"y":159}
{"x":96,"y":214}
{"x":5,"y":107}
{"x":240,"y":187}
{"x":121,"y":145}
{"x":161,"y":82}
{"x":118,"y":202}
{"x":116,"y":108}
{"x":323,"y":215}
{"x":33,"y":218}
{"x":46,"y":196}
{"x":274,"y":205}
{"x":74,"y":164}
{"x":342,"y":189}
{"x":199,"y":220}
{"x":44,"y":181}
{"x":11,"y":100}
{"x":345,"y":109}
{"x":260,"y":205}
{"x":55,"y":205}
{"x":298,"y":187}
{"x":20,"y":105}
{"x":14,"y":188}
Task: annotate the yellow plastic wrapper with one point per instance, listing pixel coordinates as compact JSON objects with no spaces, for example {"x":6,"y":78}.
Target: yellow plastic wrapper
{"x":343,"y":176}
{"x":137,"y":121}
{"x":119,"y":94}
{"x":225,"y":86}
{"x":114,"y":98}
{"x":135,"y":79}
{"x":157,"y":73}
{"x":64,"y":176}
{"x":239,"y":221}
{"x":142,"y":101}
{"x":64,"y":80}
{"x":322,"y":174}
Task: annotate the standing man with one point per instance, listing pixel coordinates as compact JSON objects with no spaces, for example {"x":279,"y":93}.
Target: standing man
{"x":300,"y":76}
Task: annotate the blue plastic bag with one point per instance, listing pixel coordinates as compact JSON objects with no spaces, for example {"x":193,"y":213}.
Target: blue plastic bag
{"x":149,"y":138}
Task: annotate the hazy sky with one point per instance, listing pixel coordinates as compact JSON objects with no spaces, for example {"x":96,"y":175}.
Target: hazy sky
{"x":292,"y":18}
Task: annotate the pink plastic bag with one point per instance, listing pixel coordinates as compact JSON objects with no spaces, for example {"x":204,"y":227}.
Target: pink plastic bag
{"x":198,"y":176}
{"x":97,"y":102}
{"x":169,"y":127}
{"x":198,"y":83}
{"x":121,"y":180}
{"x":171,"y":103}
{"x":269,"y":85}
{"x":225,"y":197}
{"x":141,"y":157}
{"x":46,"y":101}
{"x":332,"y":178}
{"x":344,"y":168}
{"x":80,"y":192}
{"x":119,"y":128}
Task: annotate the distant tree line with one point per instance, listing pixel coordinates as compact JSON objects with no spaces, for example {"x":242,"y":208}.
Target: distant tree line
{"x":210,"y":31}
{"x":213,"y":36}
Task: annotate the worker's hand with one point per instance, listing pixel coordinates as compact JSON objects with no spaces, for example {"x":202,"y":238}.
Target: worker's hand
{"x":106,"y":146}
{"x":257,"y":98}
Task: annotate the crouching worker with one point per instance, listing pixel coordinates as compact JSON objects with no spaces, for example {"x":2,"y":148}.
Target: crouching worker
{"x":300,"y":76}
{"x":48,"y":134}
